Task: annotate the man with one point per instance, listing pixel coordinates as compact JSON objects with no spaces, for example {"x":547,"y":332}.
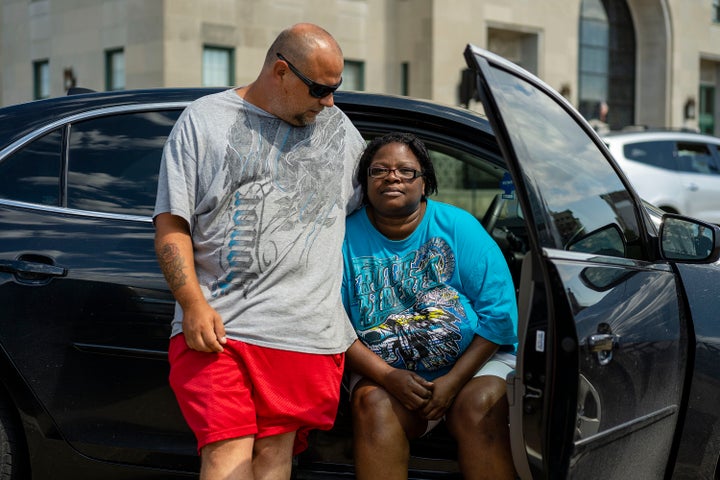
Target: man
{"x":254,"y":187}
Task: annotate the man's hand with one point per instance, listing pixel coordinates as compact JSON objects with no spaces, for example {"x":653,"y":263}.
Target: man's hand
{"x":203,"y":329}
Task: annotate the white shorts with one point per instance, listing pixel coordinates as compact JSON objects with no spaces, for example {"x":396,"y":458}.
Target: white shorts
{"x":499,"y":365}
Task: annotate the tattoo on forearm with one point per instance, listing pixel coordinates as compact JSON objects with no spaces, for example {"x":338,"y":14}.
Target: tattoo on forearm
{"x":172,"y":265}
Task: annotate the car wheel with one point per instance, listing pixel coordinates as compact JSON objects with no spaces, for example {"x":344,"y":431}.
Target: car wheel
{"x":589,"y":410}
{"x":11,"y":446}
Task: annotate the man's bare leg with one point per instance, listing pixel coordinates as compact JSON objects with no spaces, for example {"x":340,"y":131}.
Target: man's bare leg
{"x":272,"y":457}
{"x":227,"y":459}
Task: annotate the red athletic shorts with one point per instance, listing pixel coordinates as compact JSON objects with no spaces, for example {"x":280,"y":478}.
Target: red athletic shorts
{"x":252,"y":390}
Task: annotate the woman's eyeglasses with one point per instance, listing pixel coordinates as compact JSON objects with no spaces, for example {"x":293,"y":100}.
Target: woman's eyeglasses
{"x":401,"y":173}
{"x":317,"y":90}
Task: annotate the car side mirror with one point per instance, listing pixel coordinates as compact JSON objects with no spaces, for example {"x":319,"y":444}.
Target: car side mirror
{"x":689,"y":240}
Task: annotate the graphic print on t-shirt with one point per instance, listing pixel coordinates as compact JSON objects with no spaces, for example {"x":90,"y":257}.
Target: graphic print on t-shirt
{"x":285,"y":190}
{"x":409,"y":316}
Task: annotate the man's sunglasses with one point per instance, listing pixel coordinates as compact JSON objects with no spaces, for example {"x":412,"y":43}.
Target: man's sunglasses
{"x":317,"y":90}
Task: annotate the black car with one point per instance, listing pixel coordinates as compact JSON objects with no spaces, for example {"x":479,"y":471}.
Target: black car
{"x":617,"y":373}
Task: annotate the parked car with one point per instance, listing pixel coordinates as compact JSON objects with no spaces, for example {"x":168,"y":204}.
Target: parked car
{"x":617,"y":372}
{"x":677,"y":171}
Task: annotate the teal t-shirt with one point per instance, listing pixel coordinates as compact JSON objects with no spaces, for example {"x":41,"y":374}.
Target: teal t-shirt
{"x":418,"y":302}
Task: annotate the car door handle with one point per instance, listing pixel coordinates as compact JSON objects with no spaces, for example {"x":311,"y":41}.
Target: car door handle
{"x":602,"y":345}
{"x":24,"y":267}
{"x":693,"y":187}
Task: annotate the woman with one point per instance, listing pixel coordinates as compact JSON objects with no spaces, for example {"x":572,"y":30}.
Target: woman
{"x":432,"y":300}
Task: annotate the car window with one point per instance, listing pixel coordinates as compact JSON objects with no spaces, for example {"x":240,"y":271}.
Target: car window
{"x":657,"y":153}
{"x":465,"y":180}
{"x":114,"y":161}
{"x":575,"y":192}
{"x":695,"y":157}
{"x":32,"y":174}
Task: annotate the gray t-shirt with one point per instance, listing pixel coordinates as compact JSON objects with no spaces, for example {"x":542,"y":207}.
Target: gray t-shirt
{"x":266,"y":204}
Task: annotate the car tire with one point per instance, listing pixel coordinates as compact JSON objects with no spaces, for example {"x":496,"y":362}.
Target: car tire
{"x":12,"y":465}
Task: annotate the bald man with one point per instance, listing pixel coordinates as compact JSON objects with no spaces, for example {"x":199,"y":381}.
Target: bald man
{"x":254,"y":188}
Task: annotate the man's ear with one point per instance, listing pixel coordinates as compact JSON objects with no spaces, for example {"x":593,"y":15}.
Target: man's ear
{"x":279,"y":68}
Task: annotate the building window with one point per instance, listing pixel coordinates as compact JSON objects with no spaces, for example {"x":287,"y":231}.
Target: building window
{"x":353,"y":75}
{"x":606,"y":89}
{"x":41,"y":79}
{"x":405,"y":78}
{"x":218,"y":67}
{"x":594,"y":59}
{"x":706,"y":118}
{"x":716,"y":11}
{"x":115,"y":69}
{"x":521,"y":48}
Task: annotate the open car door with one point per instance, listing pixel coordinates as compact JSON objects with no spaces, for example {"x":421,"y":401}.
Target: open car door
{"x":603,"y":339}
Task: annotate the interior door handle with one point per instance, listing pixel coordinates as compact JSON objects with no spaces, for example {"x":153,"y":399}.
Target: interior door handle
{"x":602,"y":345}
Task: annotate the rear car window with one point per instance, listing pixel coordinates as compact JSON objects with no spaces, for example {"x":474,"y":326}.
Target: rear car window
{"x":696,"y":157}
{"x":114,"y":161}
{"x":32,"y":174}
{"x":656,"y":153}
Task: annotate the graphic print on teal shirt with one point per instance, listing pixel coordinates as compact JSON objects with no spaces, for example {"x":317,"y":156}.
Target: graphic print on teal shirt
{"x":409,"y":316}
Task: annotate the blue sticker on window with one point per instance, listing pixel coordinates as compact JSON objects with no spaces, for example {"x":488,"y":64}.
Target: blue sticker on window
{"x":507,"y":186}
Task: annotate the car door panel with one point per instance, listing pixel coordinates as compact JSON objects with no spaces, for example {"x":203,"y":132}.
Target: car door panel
{"x":113,"y":304}
{"x":700,"y":437}
{"x":603,"y":357}
{"x":632,"y":385}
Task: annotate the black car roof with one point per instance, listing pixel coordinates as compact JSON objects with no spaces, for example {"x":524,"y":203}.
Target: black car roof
{"x":18,"y":120}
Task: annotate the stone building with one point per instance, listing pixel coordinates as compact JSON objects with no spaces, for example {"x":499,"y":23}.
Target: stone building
{"x":646,"y":62}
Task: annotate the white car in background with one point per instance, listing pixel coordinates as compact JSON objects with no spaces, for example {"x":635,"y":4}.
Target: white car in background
{"x":677,"y":171}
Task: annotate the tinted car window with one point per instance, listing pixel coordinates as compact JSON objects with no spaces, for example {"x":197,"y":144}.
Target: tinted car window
{"x":32,"y":174}
{"x":575,"y":194}
{"x":657,"y":153}
{"x":465,"y":180}
{"x":114,"y":161}
{"x":696,"y":158}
